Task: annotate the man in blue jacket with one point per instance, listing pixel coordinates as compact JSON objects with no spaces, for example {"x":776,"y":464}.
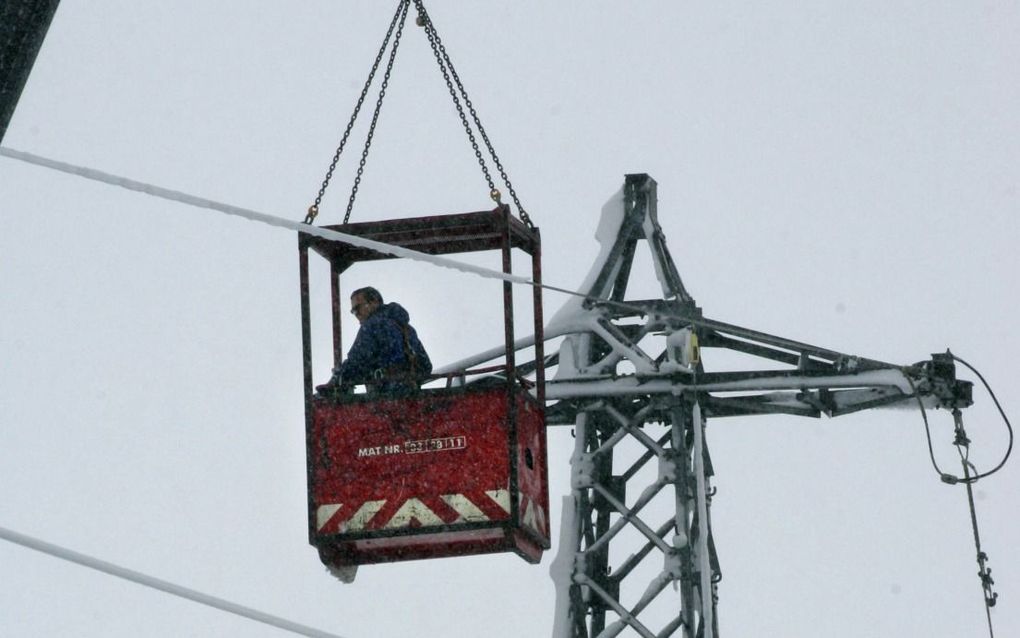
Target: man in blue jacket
{"x":386,"y":356}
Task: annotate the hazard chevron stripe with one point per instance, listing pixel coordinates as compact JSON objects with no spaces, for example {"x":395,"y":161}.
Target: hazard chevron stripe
{"x":324,"y":513}
{"x":362,"y":517}
{"x":467,"y":510}
{"x":501,"y":497}
{"x":413,"y":509}
{"x":534,"y":515}
{"x":329,"y":520}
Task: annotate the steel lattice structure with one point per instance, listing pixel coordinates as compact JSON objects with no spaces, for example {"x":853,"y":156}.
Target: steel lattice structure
{"x":636,"y":554}
{"x":630,"y":379}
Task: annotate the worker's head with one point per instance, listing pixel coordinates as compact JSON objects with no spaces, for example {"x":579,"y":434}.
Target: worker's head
{"x":364,"y":302}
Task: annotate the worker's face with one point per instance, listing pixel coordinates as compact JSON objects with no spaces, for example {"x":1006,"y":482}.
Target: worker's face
{"x":362,"y":308}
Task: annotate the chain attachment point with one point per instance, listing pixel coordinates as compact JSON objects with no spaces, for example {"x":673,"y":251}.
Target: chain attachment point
{"x":313,"y":210}
{"x":496,"y":196}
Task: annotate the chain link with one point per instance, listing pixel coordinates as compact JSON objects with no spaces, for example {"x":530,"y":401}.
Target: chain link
{"x":444,"y":61}
{"x":457,"y":94}
{"x":430,"y":33}
{"x":378,"y":107}
{"x":313,"y":210}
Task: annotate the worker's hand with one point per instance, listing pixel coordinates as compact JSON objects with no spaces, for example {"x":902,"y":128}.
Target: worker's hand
{"x":334,"y":389}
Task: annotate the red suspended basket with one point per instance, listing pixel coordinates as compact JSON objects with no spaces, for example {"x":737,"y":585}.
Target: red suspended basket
{"x":448,"y":471}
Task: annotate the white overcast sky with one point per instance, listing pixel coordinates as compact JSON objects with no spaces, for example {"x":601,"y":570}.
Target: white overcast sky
{"x":840,"y":173}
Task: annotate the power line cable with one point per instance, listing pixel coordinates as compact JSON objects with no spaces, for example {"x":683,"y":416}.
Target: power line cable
{"x":407,"y":253}
{"x":354,"y":240}
{"x":162,"y":585}
{"x":265,"y":218}
{"x":436,"y":260}
{"x":281,"y":222}
{"x":962,"y":443}
{"x":984,"y":572}
{"x":399,"y":251}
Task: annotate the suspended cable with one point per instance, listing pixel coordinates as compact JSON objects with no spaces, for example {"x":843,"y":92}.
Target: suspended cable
{"x":272,"y":220}
{"x":246,"y":213}
{"x":436,"y":260}
{"x":962,"y":443}
{"x":156,"y":583}
{"x":354,"y":240}
{"x":448,"y":72}
{"x":984,"y":572}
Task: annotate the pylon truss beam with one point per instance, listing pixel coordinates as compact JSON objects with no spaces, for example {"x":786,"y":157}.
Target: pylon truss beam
{"x":816,"y":381}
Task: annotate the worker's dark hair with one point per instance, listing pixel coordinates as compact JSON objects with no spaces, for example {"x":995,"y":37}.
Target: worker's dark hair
{"x":369,"y":293}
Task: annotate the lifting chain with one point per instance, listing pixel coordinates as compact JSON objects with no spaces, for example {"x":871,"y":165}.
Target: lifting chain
{"x":446,"y":68}
{"x":398,"y":18}
{"x":457,"y":94}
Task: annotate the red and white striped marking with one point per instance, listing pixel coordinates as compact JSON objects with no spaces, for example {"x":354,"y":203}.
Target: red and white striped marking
{"x":332,"y":517}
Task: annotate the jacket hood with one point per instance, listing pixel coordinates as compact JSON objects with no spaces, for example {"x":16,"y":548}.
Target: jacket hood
{"x":393,"y":311}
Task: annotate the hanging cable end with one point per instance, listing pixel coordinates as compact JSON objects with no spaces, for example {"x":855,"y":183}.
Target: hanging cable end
{"x":313,"y":210}
{"x":949,"y":479}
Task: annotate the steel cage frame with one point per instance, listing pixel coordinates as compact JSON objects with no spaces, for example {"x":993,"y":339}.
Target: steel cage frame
{"x":433,"y":235}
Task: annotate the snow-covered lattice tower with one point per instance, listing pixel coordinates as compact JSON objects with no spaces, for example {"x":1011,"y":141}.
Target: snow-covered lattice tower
{"x":636,"y":553}
{"x":636,"y":533}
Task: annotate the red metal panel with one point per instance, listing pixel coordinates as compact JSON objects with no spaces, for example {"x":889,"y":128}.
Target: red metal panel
{"x":427,"y":476}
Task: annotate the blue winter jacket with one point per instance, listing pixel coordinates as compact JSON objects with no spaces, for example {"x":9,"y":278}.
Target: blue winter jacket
{"x":382,"y":353}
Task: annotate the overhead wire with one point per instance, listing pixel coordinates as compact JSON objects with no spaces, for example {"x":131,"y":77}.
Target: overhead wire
{"x":962,"y":443}
{"x":445,"y":262}
{"x":162,"y":585}
{"x":333,"y":235}
{"x":272,"y":220}
{"x":354,"y":240}
{"x":407,"y":253}
{"x":984,"y":572}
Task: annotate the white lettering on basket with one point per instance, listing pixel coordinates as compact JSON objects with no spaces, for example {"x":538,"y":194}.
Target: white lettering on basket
{"x":415,"y":447}
{"x":379,"y":450}
{"x":435,"y":445}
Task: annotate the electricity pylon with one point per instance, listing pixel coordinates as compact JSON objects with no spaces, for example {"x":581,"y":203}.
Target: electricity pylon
{"x":636,"y":553}
{"x":636,"y":539}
